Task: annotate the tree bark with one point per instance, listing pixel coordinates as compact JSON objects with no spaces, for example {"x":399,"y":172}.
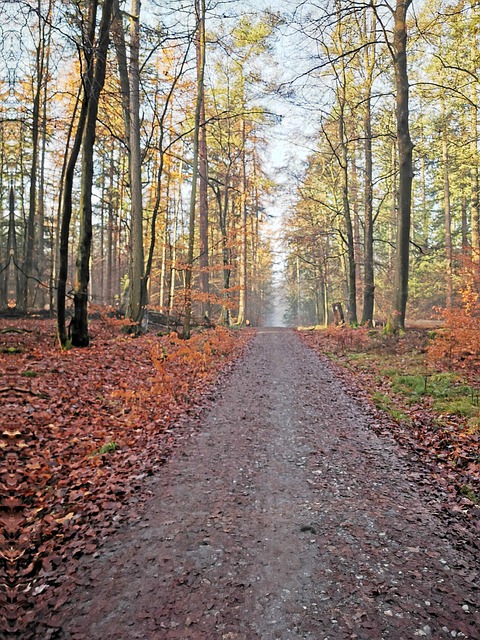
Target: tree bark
{"x":138,"y":288}
{"x":369,"y":274}
{"x":369,"y":277}
{"x":200,"y":13}
{"x":405,"y":176}
{"x":350,"y":267}
{"x":79,"y":326}
{"x":27,"y":270}
{"x":448,"y":220}
{"x":243,"y":296}
{"x":203,"y":173}
{"x":66,"y":215}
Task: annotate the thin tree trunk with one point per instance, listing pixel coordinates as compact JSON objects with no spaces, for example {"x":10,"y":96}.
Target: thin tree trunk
{"x":369,"y":289}
{"x":27,"y":271}
{"x":343,"y":160}
{"x":448,"y":221}
{"x":464,"y":229}
{"x":173,"y":268}
{"x":41,"y":258}
{"x":243,"y":297}
{"x":368,"y":256}
{"x":110,"y":224}
{"x":425,"y":216}
{"x":200,"y":12}
{"x":203,"y":174}
{"x":475,"y":178}
{"x":393,"y":205}
{"x":163,"y":268}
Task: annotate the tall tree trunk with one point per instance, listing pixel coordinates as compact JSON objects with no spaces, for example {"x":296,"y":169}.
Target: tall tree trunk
{"x":223,"y":204}
{"x":110,"y":225}
{"x":118,"y":37}
{"x":138,"y":288}
{"x":405,"y":176}
{"x":464,"y":229}
{"x":27,"y":269}
{"x":41,"y":259}
{"x":475,"y":190}
{"x":79,"y":326}
{"x":67,"y":187}
{"x":243,"y":296}
{"x":475,"y":178}
{"x":369,"y":274}
{"x":200,"y":13}
{"x":203,"y":172}
{"x":369,"y":289}
{"x":343,"y":159}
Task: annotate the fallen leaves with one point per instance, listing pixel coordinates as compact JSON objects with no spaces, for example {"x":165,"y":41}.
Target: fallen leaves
{"x":444,"y":443}
{"x":80,"y":437}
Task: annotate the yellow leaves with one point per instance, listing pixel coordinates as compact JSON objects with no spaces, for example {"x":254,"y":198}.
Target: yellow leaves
{"x":66,"y":518}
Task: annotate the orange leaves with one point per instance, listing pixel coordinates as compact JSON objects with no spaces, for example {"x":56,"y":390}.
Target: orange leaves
{"x":180,"y":363}
{"x":82,"y":434}
{"x":341,"y":338}
{"x":458,"y":344}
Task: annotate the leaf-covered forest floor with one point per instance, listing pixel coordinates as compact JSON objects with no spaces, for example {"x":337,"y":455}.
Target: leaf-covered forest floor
{"x":429,"y":409}
{"x":285,"y":507}
{"x":82,"y":430}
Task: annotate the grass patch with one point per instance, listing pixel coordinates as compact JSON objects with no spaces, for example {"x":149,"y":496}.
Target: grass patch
{"x":29,"y":374}
{"x":108,"y":447}
{"x":385,"y":403}
{"x":458,"y":407}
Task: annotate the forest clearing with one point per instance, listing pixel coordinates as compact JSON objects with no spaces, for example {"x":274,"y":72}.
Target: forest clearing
{"x":117,"y":450}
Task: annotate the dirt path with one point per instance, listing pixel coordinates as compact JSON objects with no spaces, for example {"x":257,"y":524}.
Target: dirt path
{"x":283,"y":517}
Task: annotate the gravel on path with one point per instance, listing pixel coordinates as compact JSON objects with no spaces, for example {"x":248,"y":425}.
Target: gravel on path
{"x":281,"y":516}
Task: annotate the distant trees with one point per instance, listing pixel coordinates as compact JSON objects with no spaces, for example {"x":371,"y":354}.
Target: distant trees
{"x":98,"y":149}
{"x":133,"y":170}
{"x":416,"y":201}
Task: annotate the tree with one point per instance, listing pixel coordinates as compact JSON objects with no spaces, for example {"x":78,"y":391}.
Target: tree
{"x":93,"y":82}
{"x":137,"y":283}
{"x":200,"y":48}
{"x":200,"y":22}
{"x":368,"y":27}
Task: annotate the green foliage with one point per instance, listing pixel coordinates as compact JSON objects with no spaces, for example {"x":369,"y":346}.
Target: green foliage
{"x":385,"y":403}
{"x":449,"y":393}
{"x":469,"y":493}
{"x":459,"y":407}
{"x":29,"y":374}
{"x":11,"y":350}
{"x":108,"y":447}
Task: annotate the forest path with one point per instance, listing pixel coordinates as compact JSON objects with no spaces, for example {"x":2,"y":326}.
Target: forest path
{"x":283,"y":516}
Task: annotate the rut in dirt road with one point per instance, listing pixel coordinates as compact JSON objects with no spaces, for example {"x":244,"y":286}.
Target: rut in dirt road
{"x":282,"y":516}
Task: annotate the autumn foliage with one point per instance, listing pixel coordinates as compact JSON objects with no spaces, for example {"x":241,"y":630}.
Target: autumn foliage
{"x":457,"y":345}
{"x":84,"y":429}
{"x":404,"y":395}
